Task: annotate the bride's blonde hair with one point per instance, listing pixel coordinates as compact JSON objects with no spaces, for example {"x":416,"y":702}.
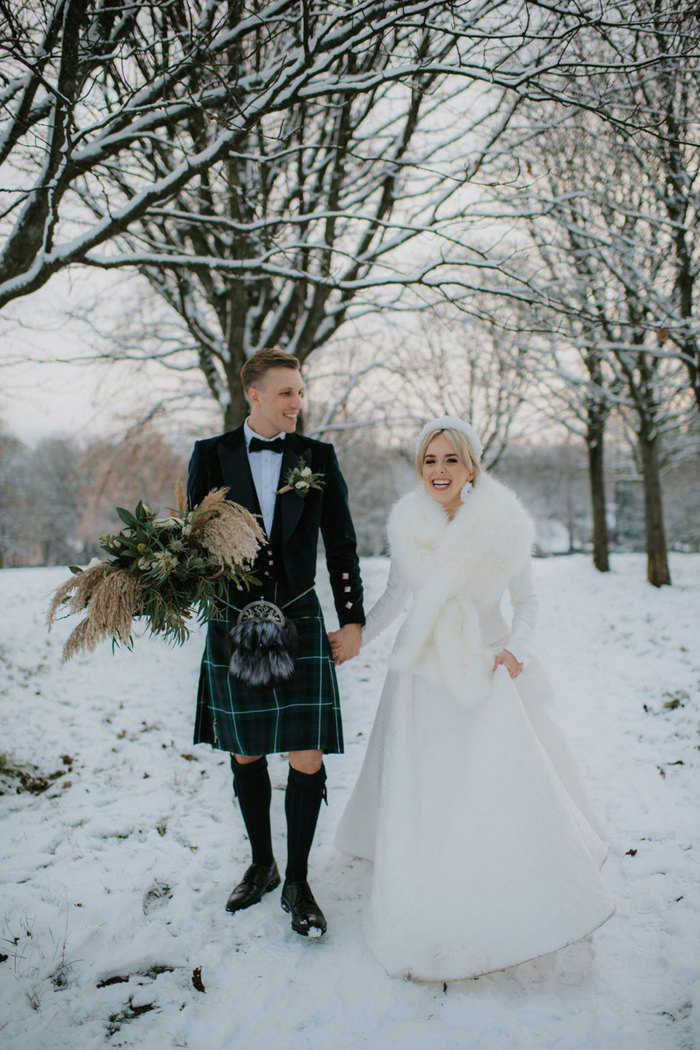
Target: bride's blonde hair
{"x":459,"y":442}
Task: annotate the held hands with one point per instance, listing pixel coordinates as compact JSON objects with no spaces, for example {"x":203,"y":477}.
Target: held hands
{"x":345,"y":643}
{"x":512,"y":666}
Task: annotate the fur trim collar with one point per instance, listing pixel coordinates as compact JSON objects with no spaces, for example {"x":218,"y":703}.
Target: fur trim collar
{"x":457,"y":569}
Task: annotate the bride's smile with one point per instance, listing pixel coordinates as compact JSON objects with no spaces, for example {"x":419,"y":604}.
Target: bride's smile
{"x":444,"y":474}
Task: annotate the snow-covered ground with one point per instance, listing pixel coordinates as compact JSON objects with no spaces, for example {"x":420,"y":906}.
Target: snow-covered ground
{"x":114,"y":880}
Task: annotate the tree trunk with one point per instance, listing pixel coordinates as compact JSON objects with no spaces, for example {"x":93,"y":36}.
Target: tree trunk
{"x":237,"y":408}
{"x":657,"y":558}
{"x":596,"y":477}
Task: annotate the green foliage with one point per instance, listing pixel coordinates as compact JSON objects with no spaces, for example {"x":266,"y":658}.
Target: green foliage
{"x":301,"y":479}
{"x":180,"y":579}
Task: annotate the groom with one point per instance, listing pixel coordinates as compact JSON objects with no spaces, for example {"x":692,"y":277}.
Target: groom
{"x":300,"y":716}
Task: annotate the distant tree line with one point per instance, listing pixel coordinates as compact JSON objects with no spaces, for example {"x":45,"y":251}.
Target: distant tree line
{"x":58,"y":498}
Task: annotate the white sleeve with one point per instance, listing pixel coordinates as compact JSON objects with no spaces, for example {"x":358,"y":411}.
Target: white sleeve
{"x":525,"y":609}
{"x":386,"y":608}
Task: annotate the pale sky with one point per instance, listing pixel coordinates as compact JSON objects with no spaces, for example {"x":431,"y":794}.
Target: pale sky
{"x":44,"y":390}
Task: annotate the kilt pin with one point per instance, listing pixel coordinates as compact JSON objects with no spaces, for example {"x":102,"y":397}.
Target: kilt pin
{"x":302,"y":713}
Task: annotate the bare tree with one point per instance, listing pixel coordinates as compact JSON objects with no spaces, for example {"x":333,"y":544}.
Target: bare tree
{"x":638,"y":142}
{"x":40,"y":502}
{"x":141,"y":466}
{"x":608,"y":194}
{"x":551,"y":479}
{"x":392,"y":379}
{"x":141,"y":100}
{"x":571,"y":382}
{"x":661,"y":154}
{"x":267,"y":164}
{"x":13,"y":503}
{"x":307,"y":225}
{"x":603,"y":270}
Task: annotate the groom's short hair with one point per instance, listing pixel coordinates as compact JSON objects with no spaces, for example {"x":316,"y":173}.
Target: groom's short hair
{"x":262,"y":361}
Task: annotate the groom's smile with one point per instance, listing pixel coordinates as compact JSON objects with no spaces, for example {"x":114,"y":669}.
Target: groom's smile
{"x":275,"y":402}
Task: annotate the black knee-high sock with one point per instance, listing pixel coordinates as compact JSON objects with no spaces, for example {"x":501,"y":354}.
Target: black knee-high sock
{"x":302,"y":802}
{"x":252,"y":788}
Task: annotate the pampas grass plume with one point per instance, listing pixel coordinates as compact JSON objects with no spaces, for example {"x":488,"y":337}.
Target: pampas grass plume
{"x":82,"y":585}
{"x":180,"y":498}
{"x":232,"y":535}
{"x":112,"y":595}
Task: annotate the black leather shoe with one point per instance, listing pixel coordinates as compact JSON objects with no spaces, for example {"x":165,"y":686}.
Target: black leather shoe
{"x":307,"y":917}
{"x":258,"y":880}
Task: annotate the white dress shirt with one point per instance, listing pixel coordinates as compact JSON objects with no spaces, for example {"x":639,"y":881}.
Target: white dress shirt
{"x":265,"y":467}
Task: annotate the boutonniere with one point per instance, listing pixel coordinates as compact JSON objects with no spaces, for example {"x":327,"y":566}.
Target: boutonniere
{"x":300,"y":479}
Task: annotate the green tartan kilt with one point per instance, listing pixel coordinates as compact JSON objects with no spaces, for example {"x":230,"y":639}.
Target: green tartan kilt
{"x":301,"y":714}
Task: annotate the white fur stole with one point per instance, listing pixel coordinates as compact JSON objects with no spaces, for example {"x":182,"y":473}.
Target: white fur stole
{"x":457,"y":570}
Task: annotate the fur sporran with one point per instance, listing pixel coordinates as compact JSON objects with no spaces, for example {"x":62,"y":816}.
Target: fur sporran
{"x":262,"y":646}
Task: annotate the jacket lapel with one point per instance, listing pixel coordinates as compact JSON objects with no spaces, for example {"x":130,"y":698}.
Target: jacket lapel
{"x":289,"y":505}
{"x":235,"y":469}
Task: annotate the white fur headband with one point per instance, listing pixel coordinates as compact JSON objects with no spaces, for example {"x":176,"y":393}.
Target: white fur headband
{"x":453,"y":423}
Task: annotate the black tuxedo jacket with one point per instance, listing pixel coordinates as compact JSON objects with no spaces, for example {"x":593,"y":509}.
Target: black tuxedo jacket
{"x":223,"y":461}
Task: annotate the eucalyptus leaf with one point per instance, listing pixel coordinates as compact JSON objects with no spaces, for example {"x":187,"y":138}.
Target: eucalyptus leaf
{"x":127,"y":517}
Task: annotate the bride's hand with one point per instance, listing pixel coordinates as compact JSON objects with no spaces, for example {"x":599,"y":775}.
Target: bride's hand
{"x":512,"y":666}
{"x":345,"y":643}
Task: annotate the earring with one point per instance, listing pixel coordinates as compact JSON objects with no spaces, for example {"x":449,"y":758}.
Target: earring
{"x":466,"y":489}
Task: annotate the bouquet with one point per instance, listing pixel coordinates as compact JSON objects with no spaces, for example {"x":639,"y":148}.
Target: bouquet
{"x":164,"y":570}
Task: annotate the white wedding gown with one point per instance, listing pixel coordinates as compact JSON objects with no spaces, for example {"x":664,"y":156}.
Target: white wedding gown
{"x":484,"y":843}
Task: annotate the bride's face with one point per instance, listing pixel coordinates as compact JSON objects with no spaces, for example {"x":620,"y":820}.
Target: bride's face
{"x":444,"y":474}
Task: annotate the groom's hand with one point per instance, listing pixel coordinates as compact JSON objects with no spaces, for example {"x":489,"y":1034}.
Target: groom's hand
{"x":345,"y":643}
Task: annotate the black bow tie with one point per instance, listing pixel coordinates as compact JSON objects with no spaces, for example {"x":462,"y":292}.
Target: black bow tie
{"x":257,"y":445}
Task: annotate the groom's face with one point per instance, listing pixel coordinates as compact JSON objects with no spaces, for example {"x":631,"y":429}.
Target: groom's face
{"x":275,"y":402}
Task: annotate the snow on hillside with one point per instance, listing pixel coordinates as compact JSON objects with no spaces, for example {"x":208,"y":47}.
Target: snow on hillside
{"x":114,"y":879}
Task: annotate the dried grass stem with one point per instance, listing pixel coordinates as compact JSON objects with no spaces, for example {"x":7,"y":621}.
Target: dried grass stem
{"x":114,"y":595}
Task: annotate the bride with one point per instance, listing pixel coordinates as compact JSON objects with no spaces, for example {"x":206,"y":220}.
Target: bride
{"x":485,"y":847}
